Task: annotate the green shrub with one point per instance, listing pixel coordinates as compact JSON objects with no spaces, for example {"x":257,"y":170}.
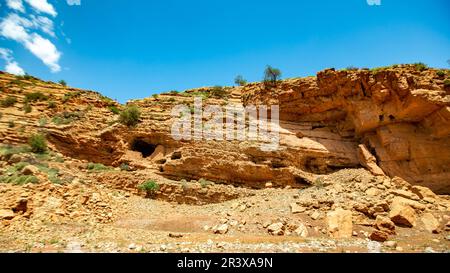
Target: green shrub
{"x":97,"y":167}
{"x":441,"y":73}
{"x":9,"y":101}
{"x":71,"y":95}
{"x":204,"y":183}
{"x":20,"y":166}
{"x":51,"y":104}
{"x":125,"y":167}
{"x":239,"y":80}
{"x":420,"y":66}
{"x":218,"y":92}
{"x":67,"y":117}
{"x":173,"y":92}
{"x":114,"y":110}
{"x":352,"y":68}
{"x":130,"y":116}
{"x":36,"y":96}
{"x":52,"y":173}
{"x":150,"y":186}
{"x":42,"y":122}
{"x":271,"y":75}
{"x":38,"y":144}
{"x":62,"y":82}
{"x":17,"y":179}
{"x":27,"y":108}
{"x":11,"y":150}
{"x":447,"y":83}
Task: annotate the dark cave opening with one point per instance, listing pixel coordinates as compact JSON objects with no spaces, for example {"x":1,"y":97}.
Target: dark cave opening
{"x":145,"y":148}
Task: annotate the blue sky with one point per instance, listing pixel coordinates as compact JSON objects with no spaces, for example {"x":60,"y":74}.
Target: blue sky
{"x":133,"y":49}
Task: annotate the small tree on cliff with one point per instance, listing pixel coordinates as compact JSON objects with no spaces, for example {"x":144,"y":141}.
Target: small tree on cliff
{"x":239,"y":80}
{"x":271,"y":75}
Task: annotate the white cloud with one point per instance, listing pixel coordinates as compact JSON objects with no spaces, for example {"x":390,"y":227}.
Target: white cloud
{"x":28,"y":22}
{"x":14,"y":68}
{"x":15,"y":5}
{"x":42,"y":6}
{"x":44,"y":50}
{"x":11,"y":65}
{"x":74,"y":2}
{"x":44,"y":24}
{"x":15,"y":28}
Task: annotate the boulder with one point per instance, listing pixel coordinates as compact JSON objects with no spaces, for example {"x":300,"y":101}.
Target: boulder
{"x":296,"y":208}
{"x":340,"y":223}
{"x":368,"y":160}
{"x":220,"y":229}
{"x":379,"y":236}
{"x":15,"y":158}
{"x":430,"y":222}
{"x":405,"y":194}
{"x":408,"y":202}
{"x":385,"y":224}
{"x":30,"y":170}
{"x":423,"y":192}
{"x":276,"y":229}
{"x":402,"y":215}
{"x":302,"y":231}
{"x":6,"y":214}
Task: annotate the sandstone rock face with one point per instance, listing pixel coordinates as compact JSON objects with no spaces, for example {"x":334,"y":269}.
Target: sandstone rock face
{"x":340,"y":223}
{"x":394,"y":121}
{"x":399,"y":113}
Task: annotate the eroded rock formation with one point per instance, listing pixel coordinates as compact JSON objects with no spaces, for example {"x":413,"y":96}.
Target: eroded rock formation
{"x":393,"y":121}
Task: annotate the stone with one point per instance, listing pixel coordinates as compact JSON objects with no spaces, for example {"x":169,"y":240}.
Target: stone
{"x":302,"y":231}
{"x":30,"y":170}
{"x":408,"y":202}
{"x":373,"y":192}
{"x":405,"y":194}
{"x":385,"y":224}
{"x":15,"y":158}
{"x":296,"y":208}
{"x":340,"y":223}
{"x":132,"y":246}
{"x":430,"y":222}
{"x":269,"y":185}
{"x":423,"y":192}
{"x":390,"y":244}
{"x":316,"y":215}
{"x":276,"y":229}
{"x":379,"y":236}
{"x":400,"y":182}
{"x":6,"y":214}
{"x":368,"y":160}
{"x":220,"y":229}
{"x":402,"y":215}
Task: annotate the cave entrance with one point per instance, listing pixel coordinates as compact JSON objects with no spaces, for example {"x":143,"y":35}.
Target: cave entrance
{"x":142,"y":146}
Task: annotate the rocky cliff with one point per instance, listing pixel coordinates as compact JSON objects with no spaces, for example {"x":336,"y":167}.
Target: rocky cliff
{"x":393,"y":121}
